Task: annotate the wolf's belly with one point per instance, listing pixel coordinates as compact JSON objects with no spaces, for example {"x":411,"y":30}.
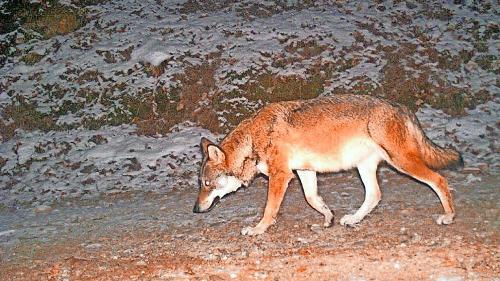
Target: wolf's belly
{"x":337,"y":157}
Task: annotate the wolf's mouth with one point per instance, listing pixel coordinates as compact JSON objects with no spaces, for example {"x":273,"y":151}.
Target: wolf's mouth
{"x":196,"y":208}
{"x":216,"y":200}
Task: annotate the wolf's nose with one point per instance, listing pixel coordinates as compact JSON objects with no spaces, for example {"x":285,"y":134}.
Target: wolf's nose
{"x":196,"y":208}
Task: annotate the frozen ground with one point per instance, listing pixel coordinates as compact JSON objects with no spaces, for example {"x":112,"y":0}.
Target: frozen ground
{"x":157,"y":237}
{"x":83,"y":196}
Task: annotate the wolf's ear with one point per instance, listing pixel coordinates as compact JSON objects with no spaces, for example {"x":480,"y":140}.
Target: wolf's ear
{"x":204,"y":145}
{"x":212,"y":151}
{"x":215,"y":153}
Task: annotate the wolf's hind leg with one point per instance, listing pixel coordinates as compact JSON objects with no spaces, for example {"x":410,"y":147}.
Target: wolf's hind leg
{"x":368,"y":173}
{"x":310,"y":186}
{"x":415,"y":167}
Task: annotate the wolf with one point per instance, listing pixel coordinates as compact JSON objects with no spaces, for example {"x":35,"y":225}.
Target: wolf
{"x":325,"y":134}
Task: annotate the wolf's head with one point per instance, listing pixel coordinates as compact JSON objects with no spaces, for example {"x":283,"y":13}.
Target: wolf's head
{"x":216,"y":179}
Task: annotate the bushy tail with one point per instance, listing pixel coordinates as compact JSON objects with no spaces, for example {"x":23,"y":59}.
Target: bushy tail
{"x":434,"y":156}
{"x":438,"y":157}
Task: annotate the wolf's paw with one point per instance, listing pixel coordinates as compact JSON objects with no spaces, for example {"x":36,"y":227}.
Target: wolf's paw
{"x":349,"y":220}
{"x":328,"y":222}
{"x":251,"y":231}
{"x":445,"y":219}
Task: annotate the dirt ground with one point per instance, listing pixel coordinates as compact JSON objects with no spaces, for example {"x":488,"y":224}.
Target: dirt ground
{"x":157,"y":237}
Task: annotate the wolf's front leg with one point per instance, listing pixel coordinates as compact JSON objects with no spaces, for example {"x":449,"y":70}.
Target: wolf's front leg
{"x":277,"y":187}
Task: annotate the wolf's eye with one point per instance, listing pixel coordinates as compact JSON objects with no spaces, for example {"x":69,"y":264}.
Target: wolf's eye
{"x":207,"y":183}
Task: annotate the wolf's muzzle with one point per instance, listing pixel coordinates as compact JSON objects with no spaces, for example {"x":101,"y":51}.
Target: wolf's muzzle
{"x":197,"y":209}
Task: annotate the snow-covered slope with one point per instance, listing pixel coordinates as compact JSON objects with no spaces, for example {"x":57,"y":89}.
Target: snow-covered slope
{"x":130,"y":49}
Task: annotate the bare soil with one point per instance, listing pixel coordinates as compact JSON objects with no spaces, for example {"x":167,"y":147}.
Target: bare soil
{"x":157,"y":237}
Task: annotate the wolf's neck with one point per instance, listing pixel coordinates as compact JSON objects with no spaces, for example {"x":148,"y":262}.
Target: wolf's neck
{"x":238,"y":149}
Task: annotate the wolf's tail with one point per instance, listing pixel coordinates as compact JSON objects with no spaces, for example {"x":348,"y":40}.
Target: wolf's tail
{"x":434,"y":156}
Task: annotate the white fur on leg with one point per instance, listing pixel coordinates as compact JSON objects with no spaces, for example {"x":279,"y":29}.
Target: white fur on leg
{"x":260,"y":228}
{"x":310,"y":186}
{"x":368,"y":172}
{"x":251,"y":231}
{"x":445,"y":219}
{"x":350,"y":220}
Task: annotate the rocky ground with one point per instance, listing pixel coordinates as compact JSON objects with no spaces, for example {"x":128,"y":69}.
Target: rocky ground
{"x":103,"y":104}
{"x":151,"y":237}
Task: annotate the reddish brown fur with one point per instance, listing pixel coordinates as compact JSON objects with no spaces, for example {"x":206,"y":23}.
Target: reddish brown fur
{"x":322,"y":135}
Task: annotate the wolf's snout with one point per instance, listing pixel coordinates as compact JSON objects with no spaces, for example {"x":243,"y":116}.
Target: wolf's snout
{"x":198,"y":209}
